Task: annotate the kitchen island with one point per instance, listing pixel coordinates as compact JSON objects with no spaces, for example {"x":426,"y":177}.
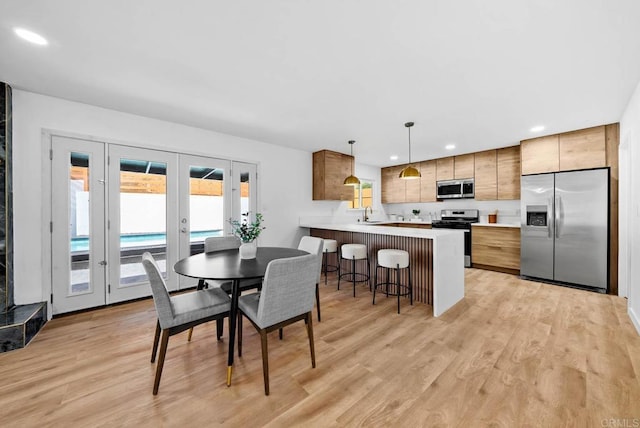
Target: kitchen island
{"x":436,"y":256}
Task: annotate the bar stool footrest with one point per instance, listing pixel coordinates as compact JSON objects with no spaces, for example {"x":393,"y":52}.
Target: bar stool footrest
{"x":349,"y":277}
{"x":399,"y":287}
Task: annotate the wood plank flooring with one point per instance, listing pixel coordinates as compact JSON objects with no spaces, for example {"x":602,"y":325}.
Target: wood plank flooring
{"x":513,"y":353}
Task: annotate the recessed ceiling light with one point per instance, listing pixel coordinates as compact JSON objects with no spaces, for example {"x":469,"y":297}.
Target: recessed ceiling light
{"x":538,"y":128}
{"x":30,"y":36}
{"x":450,"y":146}
{"x":393,"y":157}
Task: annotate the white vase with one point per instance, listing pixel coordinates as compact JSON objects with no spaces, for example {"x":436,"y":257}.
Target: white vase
{"x":248,"y":250}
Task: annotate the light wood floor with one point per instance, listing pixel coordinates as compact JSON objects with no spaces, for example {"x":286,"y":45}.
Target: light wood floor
{"x":513,"y":353}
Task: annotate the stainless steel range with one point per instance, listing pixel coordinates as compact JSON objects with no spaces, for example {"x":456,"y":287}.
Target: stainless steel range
{"x":459,"y":220}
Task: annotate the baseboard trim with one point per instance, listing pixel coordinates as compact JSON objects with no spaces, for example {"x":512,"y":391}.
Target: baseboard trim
{"x":635,"y":319}
{"x":496,"y":268}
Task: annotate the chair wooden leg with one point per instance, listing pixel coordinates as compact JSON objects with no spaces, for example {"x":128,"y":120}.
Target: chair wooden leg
{"x":318,"y":301}
{"x":311,"y":344}
{"x":156,"y":339}
{"x":219,"y":328}
{"x":163,"y":352}
{"x":265,"y":360}
{"x":190,"y":334}
{"x":239,"y":334}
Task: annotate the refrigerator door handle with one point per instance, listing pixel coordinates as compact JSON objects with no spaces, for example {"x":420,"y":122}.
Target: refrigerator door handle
{"x":558,"y":207}
{"x":549,"y":210}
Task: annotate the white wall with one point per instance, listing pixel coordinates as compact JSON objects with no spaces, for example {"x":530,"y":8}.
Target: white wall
{"x":281,"y":199}
{"x":630,"y":202}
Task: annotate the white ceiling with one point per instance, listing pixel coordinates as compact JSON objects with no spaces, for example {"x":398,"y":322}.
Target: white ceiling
{"x":315,"y":74}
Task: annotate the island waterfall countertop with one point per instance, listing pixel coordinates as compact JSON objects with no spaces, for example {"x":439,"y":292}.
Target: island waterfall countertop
{"x":437,"y":256}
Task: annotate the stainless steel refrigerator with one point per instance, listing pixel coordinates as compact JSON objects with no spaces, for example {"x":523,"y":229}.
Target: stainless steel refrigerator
{"x":565,"y":227}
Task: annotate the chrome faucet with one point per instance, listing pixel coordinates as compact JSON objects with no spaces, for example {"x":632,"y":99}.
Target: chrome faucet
{"x":365,"y":217}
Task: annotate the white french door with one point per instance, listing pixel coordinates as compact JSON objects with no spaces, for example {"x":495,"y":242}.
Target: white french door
{"x":111,"y":203}
{"x":205,"y":204}
{"x":143,"y":214}
{"x":78,"y":225}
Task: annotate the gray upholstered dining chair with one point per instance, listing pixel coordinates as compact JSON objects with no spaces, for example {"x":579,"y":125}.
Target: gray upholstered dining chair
{"x":314,"y":246}
{"x":286,"y":297}
{"x":179,"y":313}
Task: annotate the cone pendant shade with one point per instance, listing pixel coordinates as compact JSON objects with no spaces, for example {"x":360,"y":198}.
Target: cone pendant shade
{"x":352,"y":180}
{"x":409,"y":173}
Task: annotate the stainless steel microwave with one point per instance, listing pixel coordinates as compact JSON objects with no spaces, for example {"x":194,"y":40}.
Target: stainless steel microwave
{"x":452,"y":189}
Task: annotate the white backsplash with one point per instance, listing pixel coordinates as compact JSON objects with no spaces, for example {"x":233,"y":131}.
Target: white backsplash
{"x":508,"y":211}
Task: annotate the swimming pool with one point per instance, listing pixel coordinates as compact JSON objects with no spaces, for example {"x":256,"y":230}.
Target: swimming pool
{"x":81,"y":244}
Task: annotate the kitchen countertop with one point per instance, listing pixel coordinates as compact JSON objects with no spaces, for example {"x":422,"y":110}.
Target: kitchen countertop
{"x":497,"y":225}
{"x":382,"y":229}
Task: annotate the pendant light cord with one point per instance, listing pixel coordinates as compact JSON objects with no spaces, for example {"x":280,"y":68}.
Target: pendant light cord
{"x":409,"y":145}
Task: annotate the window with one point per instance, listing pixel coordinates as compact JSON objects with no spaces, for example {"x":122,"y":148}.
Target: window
{"x":362,"y":195}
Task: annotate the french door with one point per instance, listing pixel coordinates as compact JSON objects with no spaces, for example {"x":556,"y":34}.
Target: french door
{"x":205,"y":204}
{"x":78,"y":258}
{"x":142,"y":207}
{"x":111,"y":203}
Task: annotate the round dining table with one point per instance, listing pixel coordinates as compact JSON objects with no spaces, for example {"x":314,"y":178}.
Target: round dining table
{"x":227,"y":265}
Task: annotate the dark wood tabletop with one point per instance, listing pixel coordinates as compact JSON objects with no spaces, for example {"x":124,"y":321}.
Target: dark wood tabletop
{"x":227,"y":264}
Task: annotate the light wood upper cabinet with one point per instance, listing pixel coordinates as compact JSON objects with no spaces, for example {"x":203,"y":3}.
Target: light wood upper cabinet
{"x":540,"y":155}
{"x":393,"y":188}
{"x":508,"y":160}
{"x":586,"y":148}
{"x":463,"y":166}
{"x":486,"y":176}
{"x":329,"y":171}
{"x":444,"y":168}
{"x":428,"y":181}
{"x":412,"y":186}
{"x":583,"y":149}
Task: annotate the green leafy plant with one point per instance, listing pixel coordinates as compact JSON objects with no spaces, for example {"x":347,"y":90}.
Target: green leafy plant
{"x":415,"y":212}
{"x":247,"y":232}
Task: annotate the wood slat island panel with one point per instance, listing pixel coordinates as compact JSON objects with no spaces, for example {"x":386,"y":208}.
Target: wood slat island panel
{"x":436,"y":256}
{"x":420,"y":253}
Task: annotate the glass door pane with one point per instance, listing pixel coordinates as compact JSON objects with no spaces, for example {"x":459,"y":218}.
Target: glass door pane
{"x":78,"y":204}
{"x":141,"y":203}
{"x":205,"y":205}
{"x":245,"y":192}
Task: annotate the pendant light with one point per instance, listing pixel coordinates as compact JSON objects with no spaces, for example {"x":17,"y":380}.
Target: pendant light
{"x":409,"y":173}
{"x":352,"y":180}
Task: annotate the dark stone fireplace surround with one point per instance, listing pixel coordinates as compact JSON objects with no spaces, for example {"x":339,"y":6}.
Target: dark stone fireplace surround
{"x":18,"y":323}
